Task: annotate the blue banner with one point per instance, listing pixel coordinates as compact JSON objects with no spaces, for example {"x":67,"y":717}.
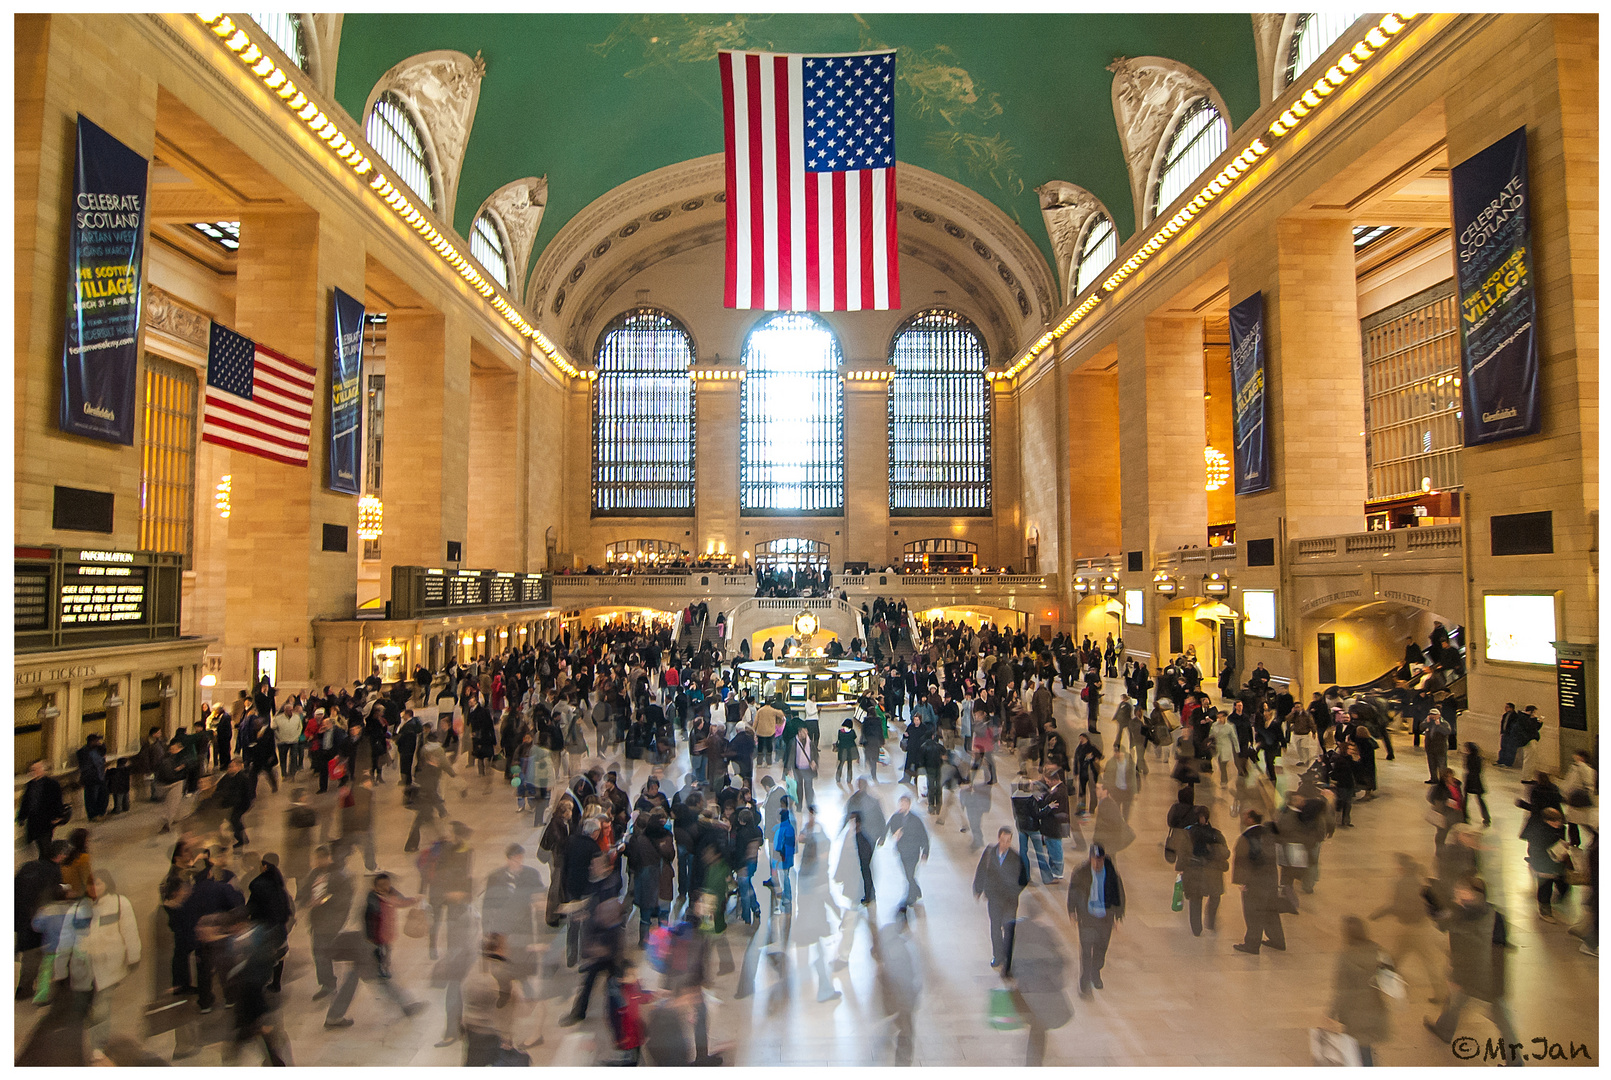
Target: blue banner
{"x":1494,"y":260}
{"x":346,"y":356}
{"x":105,"y":246}
{"x":1252,"y":459}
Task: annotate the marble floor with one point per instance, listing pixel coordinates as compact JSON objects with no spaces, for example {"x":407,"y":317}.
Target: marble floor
{"x":1169,"y":998}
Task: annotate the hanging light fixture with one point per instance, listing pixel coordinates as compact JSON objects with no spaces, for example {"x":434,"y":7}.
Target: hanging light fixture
{"x":221,"y":496}
{"x":1216,"y":468}
{"x":370,"y":514}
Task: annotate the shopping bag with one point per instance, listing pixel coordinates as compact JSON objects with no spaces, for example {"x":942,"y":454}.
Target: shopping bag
{"x":1179,"y":900}
{"x":417,"y":923}
{"x":1392,"y":983}
{"x":1334,"y":1048}
{"x":1003,"y":1013}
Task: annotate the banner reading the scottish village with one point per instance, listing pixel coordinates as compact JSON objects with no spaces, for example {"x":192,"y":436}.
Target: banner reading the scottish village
{"x":346,"y":355}
{"x":1252,"y":457}
{"x":1498,"y":327}
{"x":105,"y":243}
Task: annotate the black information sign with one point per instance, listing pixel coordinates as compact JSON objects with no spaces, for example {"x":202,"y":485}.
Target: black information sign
{"x":31,"y":601}
{"x":81,"y":597}
{"x":1570,"y":690}
{"x":419,"y":592}
{"x":102,"y":596}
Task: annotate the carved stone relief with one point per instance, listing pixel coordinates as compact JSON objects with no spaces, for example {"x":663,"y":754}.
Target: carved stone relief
{"x":165,"y":314}
{"x":1066,"y":208}
{"x":520,"y":207}
{"x":443,"y":86}
{"x":1266,"y":44}
{"x":321,"y":39}
{"x":1148,"y":92}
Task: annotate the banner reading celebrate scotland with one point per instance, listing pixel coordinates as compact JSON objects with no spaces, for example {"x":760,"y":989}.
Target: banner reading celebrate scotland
{"x":105,"y":242}
{"x":1252,"y":456}
{"x":346,"y":354}
{"x":1498,"y":336}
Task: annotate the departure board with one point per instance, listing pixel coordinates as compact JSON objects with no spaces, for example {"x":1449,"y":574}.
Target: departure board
{"x":77,"y":597}
{"x":420,"y":591}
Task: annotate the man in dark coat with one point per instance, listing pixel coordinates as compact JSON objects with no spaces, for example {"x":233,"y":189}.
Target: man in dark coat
{"x":41,"y":808}
{"x":409,"y":733}
{"x":911,"y":844}
{"x":212,"y":894}
{"x":328,"y":901}
{"x":1000,"y":877}
{"x":1254,"y":868}
{"x":36,"y":880}
{"x":1040,"y":980}
{"x":1096,"y":904}
{"x":1477,"y":946}
{"x":92,"y":776}
{"x":234,"y":793}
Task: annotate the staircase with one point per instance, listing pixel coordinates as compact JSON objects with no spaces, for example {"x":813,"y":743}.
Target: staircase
{"x":694,"y":637}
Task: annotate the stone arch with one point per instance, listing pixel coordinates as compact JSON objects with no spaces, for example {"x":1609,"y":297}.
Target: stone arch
{"x":517,"y":208}
{"x":441,"y":89}
{"x":1067,"y":210}
{"x":1149,"y":95}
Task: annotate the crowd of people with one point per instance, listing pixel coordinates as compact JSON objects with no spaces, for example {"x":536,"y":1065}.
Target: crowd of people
{"x":590,"y":735}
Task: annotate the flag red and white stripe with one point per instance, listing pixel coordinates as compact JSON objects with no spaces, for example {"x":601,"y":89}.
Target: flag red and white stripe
{"x":275,"y":421}
{"x":799,"y":237}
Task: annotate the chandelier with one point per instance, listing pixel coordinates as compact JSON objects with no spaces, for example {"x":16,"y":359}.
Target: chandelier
{"x":1217,"y":468}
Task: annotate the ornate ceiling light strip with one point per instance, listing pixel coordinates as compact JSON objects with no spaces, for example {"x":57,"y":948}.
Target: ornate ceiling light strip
{"x":351,"y":153}
{"x":1307,"y":103}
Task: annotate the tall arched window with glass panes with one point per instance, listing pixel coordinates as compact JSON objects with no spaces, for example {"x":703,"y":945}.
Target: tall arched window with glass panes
{"x":488,"y":249}
{"x":286,"y":30}
{"x":643,"y":417}
{"x":1312,"y":34}
{"x":939,"y":417}
{"x":1099,"y":246}
{"x":791,"y":447}
{"x":396,"y":138}
{"x":1199,"y":136}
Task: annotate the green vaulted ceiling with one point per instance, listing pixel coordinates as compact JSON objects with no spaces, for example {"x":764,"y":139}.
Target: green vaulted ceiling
{"x":1000,"y":103}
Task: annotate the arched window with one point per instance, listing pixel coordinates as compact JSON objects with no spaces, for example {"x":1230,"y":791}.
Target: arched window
{"x":286,"y":30}
{"x":791,"y":553}
{"x":486,"y":245}
{"x":939,"y":417}
{"x":396,"y":138}
{"x":1097,"y":251}
{"x":1199,"y":137}
{"x":791,"y":448}
{"x":643,"y":418}
{"x":1312,"y":35}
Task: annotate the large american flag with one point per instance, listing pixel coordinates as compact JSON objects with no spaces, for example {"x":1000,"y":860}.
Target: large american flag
{"x":258,"y":401}
{"x":810,"y":181}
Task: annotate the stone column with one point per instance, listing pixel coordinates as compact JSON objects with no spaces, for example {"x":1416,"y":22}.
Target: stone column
{"x":278,"y":577}
{"x":1161,"y":438}
{"x":427,"y":449}
{"x":867,"y":518}
{"x":492,"y":537}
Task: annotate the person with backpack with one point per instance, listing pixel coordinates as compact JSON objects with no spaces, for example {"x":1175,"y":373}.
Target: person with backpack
{"x":783,"y":851}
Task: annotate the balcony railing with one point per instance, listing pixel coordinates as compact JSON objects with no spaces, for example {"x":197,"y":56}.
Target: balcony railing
{"x":1221,"y":556}
{"x":1431,"y":540}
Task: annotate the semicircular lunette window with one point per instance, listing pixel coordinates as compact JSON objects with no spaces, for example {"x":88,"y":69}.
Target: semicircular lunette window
{"x":1313,"y":35}
{"x":486,"y":246}
{"x":1097,"y":252}
{"x":939,"y":417}
{"x":286,"y":30}
{"x":643,"y":418}
{"x":791,"y":418}
{"x":1199,"y":137}
{"x":396,"y":138}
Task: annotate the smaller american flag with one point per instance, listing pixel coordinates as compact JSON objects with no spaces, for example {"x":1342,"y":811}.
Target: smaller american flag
{"x":258,"y":402}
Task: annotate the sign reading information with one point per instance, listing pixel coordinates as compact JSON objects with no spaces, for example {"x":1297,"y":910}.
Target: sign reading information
{"x":1494,"y":261}
{"x":346,"y":355}
{"x":1252,"y":458}
{"x":105,"y":244}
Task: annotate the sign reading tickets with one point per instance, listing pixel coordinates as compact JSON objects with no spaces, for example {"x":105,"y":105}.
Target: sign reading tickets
{"x":346,"y":355}
{"x":1498,"y":328}
{"x":105,"y":243}
{"x":1252,"y":458}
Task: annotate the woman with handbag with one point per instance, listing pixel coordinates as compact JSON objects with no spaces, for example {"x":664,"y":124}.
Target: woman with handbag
{"x":1447,"y":803}
{"x":1549,"y":857}
{"x":1359,"y":1002}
